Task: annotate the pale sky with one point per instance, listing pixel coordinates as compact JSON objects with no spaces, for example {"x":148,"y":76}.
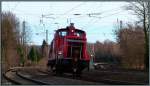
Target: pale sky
{"x":99,"y":27}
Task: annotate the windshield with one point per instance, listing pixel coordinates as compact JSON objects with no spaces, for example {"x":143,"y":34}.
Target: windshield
{"x":63,"y":33}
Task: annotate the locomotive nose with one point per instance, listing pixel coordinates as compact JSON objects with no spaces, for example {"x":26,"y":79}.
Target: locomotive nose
{"x":76,"y":55}
{"x":75,"y":49}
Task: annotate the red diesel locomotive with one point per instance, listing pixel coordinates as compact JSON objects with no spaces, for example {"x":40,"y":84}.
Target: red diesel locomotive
{"x":68,"y":51}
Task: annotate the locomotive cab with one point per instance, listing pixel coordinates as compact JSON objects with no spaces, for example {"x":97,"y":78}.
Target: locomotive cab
{"x":68,"y":50}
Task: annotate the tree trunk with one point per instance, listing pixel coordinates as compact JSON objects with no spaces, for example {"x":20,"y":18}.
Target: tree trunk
{"x":146,"y":42}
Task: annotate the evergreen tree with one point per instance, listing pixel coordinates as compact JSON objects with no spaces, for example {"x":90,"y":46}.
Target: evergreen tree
{"x":44,"y":48}
{"x":21,"y":54}
{"x":34,"y":55}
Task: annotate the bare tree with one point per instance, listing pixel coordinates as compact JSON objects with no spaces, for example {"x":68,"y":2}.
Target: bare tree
{"x":25,"y":38}
{"x":10,"y":38}
{"x":131,"y":41}
{"x":106,"y":52}
{"x":140,"y":8}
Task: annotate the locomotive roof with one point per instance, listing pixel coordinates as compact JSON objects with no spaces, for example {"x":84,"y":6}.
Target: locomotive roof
{"x":62,"y":29}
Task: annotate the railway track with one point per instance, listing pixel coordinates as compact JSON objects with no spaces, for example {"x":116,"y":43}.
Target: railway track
{"x":27,"y":76}
{"x":117,"y":77}
{"x":88,"y":76}
{"x":18,"y":76}
{"x":12,"y":76}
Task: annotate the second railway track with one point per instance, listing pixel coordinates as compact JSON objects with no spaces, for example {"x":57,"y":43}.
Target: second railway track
{"x":88,"y":76}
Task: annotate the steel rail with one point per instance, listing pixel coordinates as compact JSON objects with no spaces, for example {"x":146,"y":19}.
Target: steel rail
{"x":22,"y":78}
{"x":33,"y":80}
{"x":105,"y":81}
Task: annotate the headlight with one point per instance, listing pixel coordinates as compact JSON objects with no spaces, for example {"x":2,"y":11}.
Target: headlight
{"x":72,"y":31}
{"x":95,"y":64}
{"x":59,"y":52}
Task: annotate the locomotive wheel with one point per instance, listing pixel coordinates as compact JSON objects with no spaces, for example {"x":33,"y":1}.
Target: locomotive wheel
{"x":76,"y":73}
{"x":53,"y":68}
{"x":48,"y":68}
{"x":76,"y":69}
{"x":57,"y":70}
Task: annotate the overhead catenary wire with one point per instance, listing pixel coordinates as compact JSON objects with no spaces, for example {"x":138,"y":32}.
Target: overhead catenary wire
{"x":94,"y":13}
{"x":46,"y":16}
{"x":73,"y":8}
{"x":98,"y":13}
{"x":81,"y":15}
{"x":106,"y":11}
{"x":87,"y":14}
{"x":103,"y":17}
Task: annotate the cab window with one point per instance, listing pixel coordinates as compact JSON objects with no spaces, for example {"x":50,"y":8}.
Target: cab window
{"x":79,"y":34}
{"x":62,"y":33}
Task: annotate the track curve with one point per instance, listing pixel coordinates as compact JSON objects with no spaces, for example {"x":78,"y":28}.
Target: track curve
{"x":19,"y":76}
{"x":11,"y":75}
